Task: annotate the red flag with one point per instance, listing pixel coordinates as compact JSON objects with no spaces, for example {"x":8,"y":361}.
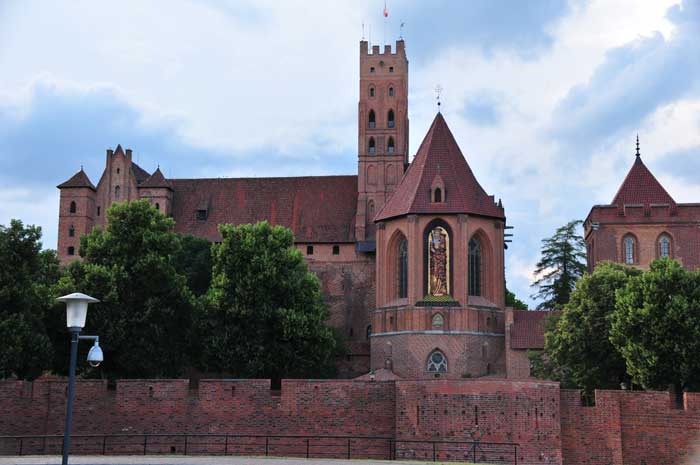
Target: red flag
{"x":386,"y":12}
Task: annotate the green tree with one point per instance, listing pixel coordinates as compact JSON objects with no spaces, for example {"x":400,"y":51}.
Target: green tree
{"x":656,"y":327}
{"x":26,"y":276}
{"x":514,"y":302}
{"x":193,"y":260}
{"x":144,"y":317}
{"x":577,"y":350}
{"x":561,"y":265}
{"x":264,"y":316}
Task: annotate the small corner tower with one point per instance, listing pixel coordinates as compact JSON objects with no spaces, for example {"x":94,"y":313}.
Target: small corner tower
{"x":382,"y":130}
{"x":76,"y":214}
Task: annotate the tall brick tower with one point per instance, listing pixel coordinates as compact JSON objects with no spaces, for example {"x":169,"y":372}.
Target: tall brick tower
{"x":382,"y":131}
{"x":76,"y":215}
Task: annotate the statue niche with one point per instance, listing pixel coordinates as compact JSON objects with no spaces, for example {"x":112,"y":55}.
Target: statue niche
{"x":438,"y":262}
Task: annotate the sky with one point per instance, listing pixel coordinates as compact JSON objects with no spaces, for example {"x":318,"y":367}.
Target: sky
{"x":544,"y":97}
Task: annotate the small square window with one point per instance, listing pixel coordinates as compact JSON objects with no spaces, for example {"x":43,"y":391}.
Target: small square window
{"x":201,"y":215}
{"x":336,"y":250}
{"x":391,"y":69}
{"x":371,"y":70}
{"x":309,"y":250}
{"x":71,"y":250}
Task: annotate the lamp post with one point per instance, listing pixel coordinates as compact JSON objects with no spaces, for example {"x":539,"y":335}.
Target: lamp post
{"x":76,"y":312}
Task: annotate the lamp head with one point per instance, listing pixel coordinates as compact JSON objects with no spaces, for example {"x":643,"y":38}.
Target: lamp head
{"x":95,"y":356}
{"x":76,"y":309}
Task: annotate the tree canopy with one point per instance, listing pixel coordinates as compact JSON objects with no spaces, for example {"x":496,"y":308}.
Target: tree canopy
{"x":26,"y":277}
{"x":144,"y":317}
{"x":264,"y":316}
{"x":513,"y":301}
{"x":656,"y":326}
{"x":562,"y":263}
{"x":577,"y":341}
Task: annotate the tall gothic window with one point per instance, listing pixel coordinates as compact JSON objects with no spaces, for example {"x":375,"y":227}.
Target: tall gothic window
{"x":403,"y":268}
{"x":372,"y":120}
{"x":390,"y":119}
{"x":664,"y":246}
{"x":117,"y":192}
{"x":438,"y":248}
{"x":474,"y":266}
{"x":372,"y":147}
{"x":438,"y":195}
{"x":72,"y":207}
{"x":390,"y":145}
{"x":629,"y":250}
{"x":437,"y":363}
{"x":391,"y":91}
{"x":371,"y":91}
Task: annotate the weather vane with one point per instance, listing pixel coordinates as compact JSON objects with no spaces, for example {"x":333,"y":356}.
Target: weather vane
{"x":438,"y":91}
{"x":401,"y":30}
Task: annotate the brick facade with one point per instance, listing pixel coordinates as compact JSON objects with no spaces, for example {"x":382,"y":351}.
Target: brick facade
{"x":549,"y":425}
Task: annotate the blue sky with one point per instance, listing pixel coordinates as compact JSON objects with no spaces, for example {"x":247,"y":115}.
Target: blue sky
{"x":545,"y":97}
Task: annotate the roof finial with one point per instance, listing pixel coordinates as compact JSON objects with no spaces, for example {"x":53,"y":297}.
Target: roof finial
{"x":638,"y":144}
{"x":438,"y":90}
{"x":81,"y":167}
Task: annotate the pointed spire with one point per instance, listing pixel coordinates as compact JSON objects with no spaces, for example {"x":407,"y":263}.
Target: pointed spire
{"x":638,"y":145}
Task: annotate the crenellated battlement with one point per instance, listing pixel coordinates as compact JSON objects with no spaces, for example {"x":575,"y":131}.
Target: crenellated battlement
{"x":376,"y":50}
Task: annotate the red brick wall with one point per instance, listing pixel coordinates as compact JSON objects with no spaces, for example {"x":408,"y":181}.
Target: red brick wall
{"x":550,"y":425}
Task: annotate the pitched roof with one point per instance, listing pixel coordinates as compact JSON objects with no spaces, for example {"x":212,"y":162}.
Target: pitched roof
{"x":316,"y":208}
{"x":140,"y":174}
{"x":79,"y":179}
{"x":157,"y":180}
{"x":641,"y":187}
{"x":527,"y":331}
{"x":439,"y":158}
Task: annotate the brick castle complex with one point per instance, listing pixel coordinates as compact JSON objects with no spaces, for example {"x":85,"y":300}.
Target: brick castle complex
{"x":410,"y":255}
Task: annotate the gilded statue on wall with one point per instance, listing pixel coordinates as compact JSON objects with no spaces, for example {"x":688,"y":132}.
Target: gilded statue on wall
{"x":438,"y":262}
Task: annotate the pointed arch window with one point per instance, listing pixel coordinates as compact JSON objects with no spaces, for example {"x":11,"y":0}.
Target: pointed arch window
{"x":71,"y":231}
{"x":73,"y":208}
{"x":390,"y":145}
{"x":664,"y":246}
{"x":372,"y":119}
{"x":403,"y":268}
{"x":629,"y":244}
{"x":117,"y":192}
{"x":391,"y":91}
{"x":437,"y":362}
{"x":438,"y":254}
{"x":390,"y":119}
{"x":437,"y":195}
{"x":371,"y":91}
{"x":475,"y":259}
{"x":372,"y":149}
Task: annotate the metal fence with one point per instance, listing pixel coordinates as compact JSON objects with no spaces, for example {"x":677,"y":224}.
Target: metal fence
{"x":308,"y":446}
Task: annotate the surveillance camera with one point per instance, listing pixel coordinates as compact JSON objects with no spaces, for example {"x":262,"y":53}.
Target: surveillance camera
{"x":95,"y":356}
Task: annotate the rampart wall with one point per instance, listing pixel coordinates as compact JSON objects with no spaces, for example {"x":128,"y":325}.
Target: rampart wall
{"x":550,"y":425}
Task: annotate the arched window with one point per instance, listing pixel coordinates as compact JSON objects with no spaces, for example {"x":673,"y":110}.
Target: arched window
{"x":390,"y":145}
{"x":71,"y":231}
{"x":474,"y":271}
{"x":438,"y":195}
{"x":372,"y":120}
{"x":629,"y":245}
{"x":438,"y":269}
{"x":372,"y":149}
{"x":370,"y":210}
{"x":72,"y":207}
{"x":664,"y":247}
{"x":390,"y":119}
{"x":391,"y":91}
{"x":369,"y":331}
{"x":437,"y":363}
{"x":117,"y":192}
{"x":157,"y":206}
{"x":371,"y":91}
{"x":71,"y":250}
{"x":438,"y":321}
{"x":403,"y":268}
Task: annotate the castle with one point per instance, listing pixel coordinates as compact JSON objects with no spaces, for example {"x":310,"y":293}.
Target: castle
{"x":410,"y":255}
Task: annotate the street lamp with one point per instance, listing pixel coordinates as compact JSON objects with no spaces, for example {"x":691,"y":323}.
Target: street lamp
{"x":76,"y":312}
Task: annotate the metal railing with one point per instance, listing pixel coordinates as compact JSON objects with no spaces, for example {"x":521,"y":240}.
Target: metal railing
{"x":308,"y":446}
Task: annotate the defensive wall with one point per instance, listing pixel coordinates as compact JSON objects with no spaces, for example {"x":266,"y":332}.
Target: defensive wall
{"x":550,"y":425}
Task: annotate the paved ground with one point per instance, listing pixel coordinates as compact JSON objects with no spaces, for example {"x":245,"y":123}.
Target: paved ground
{"x":181,"y":460}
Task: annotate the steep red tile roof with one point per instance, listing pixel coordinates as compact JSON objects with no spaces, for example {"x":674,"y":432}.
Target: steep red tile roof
{"x":439,"y":155}
{"x":157,"y":180}
{"x":140,"y":174}
{"x":317,"y":209}
{"x":641,"y":187}
{"x":79,"y":179}
{"x":527,"y":331}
